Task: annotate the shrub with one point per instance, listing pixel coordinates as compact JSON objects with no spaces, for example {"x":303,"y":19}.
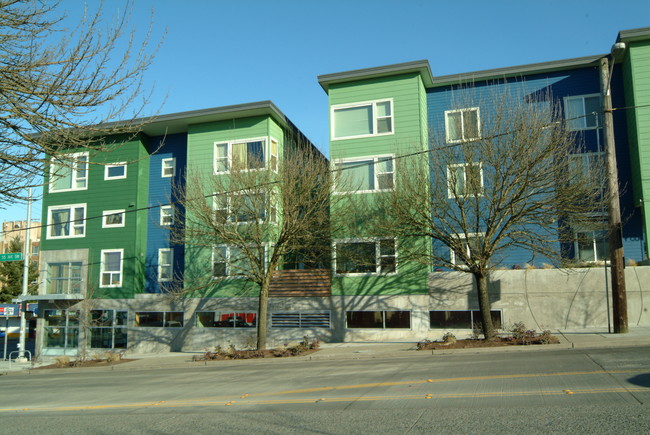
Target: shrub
{"x":449,"y":338}
{"x":62,"y":361}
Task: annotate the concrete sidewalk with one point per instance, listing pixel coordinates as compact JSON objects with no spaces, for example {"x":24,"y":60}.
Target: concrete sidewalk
{"x":577,"y":339}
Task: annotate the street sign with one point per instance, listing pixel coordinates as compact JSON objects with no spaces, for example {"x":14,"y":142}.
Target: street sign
{"x":10,"y":310}
{"x":12,"y":256}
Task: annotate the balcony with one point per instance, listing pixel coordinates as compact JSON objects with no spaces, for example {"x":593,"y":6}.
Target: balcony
{"x":301,"y":283}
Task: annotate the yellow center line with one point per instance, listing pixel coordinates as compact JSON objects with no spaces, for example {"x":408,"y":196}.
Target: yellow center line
{"x":249,"y":399}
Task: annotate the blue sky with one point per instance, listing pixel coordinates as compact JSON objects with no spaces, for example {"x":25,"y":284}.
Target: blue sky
{"x":224,"y":52}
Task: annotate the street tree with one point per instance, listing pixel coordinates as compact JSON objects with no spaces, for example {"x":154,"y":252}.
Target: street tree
{"x":11,"y":275}
{"x":60,"y":88}
{"x":252,"y":221}
{"x":518,"y":179}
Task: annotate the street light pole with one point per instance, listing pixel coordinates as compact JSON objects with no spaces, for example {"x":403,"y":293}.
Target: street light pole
{"x":619,"y":297}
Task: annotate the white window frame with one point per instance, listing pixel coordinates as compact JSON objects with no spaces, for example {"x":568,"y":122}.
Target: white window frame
{"x":102,"y":271}
{"x":166,"y":211}
{"x":375,"y":118}
{"x":583,"y":117}
{"x":115,"y":165}
{"x":378,"y":256}
{"x":165,"y":164}
{"x":72,"y":167}
{"x":450,"y":192}
{"x":274,"y":156}
{"x":228,"y":259}
{"x":270,"y":214}
{"x":162,"y":265}
{"x":462,"y":122}
{"x":452,"y":254}
{"x":376,"y":173}
{"x":107,"y":213}
{"x":228,"y":158}
{"x":72,"y":223}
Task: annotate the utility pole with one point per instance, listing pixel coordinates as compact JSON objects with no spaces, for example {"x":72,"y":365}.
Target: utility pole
{"x":619,"y":297}
{"x":26,"y":261}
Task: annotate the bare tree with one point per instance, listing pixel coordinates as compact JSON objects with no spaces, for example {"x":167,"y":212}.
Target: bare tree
{"x":60,"y":87}
{"x":516,"y":180}
{"x":250,"y":221}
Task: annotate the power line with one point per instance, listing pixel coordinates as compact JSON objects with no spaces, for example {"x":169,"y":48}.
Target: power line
{"x":338,"y":170}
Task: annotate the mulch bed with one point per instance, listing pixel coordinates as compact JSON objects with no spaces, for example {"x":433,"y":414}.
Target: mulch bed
{"x":88,"y":363}
{"x":476,"y":343}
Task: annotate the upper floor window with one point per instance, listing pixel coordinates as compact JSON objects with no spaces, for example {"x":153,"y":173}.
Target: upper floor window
{"x":465,"y":179}
{"x":111,"y":268}
{"x":115,"y":171}
{"x":467,"y":244}
{"x":66,"y":221}
{"x":244,"y":208}
{"x":229,"y":261}
{"x":165,"y":264}
{"x":63,"y":278}
{"x":72,"y":175}
{"x":242,"y":154}
{"x":365,"y":174}
{"x":113,"y":219}
{"x":166,"y":215}
{"x":582,"y":112}
{"x":365,"y":256}
{"x":369,"y":118}
{"x":462,"y":125}
{"x":592,"y":245}
{"x":168,"y":167}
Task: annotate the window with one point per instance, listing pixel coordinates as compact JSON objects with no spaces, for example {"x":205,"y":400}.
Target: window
{"x":165,"y":267}
{"x":273,"y":162}
{"x":72,"y":175}
{"x":166,"y":215}
{"x":108,"y":329}
{"x":592,"y":245}
{"x":371,"y":118}
{"x":588,"y":166}
{"x":115,"y":171}
{"x":582,"y":112}
{"x":66,"y":221}
{"x":462,"y":125}
{"x":365,"y":175}
{"x":365,"y":256}
{"x":63,"y":278}
{"x":241,"y":155}
{"x":229,"y":261}
{"x":159,"y":319}
{"x":111,"y":268}
{"x":225,"y":319}
{"x":465,"y":180}
{"x":467,"y":244}
{"x":301,"y":319}
{"x":113,"y":218}
{"x":243,"y":208}
{"x":461,"y":319}
{"x":61,"y":329}
{"x":168,"y":167}
{"x":378,"y":319}
{"x":35,"y":250}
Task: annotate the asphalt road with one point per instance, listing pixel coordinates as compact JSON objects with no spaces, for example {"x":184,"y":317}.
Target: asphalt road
{"x":567,"y":391}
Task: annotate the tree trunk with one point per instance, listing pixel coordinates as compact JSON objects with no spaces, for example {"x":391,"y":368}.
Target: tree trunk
{"x":484,"y":305}
{"x":262,"y":313}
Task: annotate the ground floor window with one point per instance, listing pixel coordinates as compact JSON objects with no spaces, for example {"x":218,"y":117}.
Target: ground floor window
{"x":108,"y":329}
{"x":378,"y":319}
{"x":461,"y":319}
{"x":301,"y":319}
{"x":61,"y":329}
{"x":592,"y":245}
{"x":63,"y":278}
{"x":225,"y":319}
{"x":159,"y":319}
